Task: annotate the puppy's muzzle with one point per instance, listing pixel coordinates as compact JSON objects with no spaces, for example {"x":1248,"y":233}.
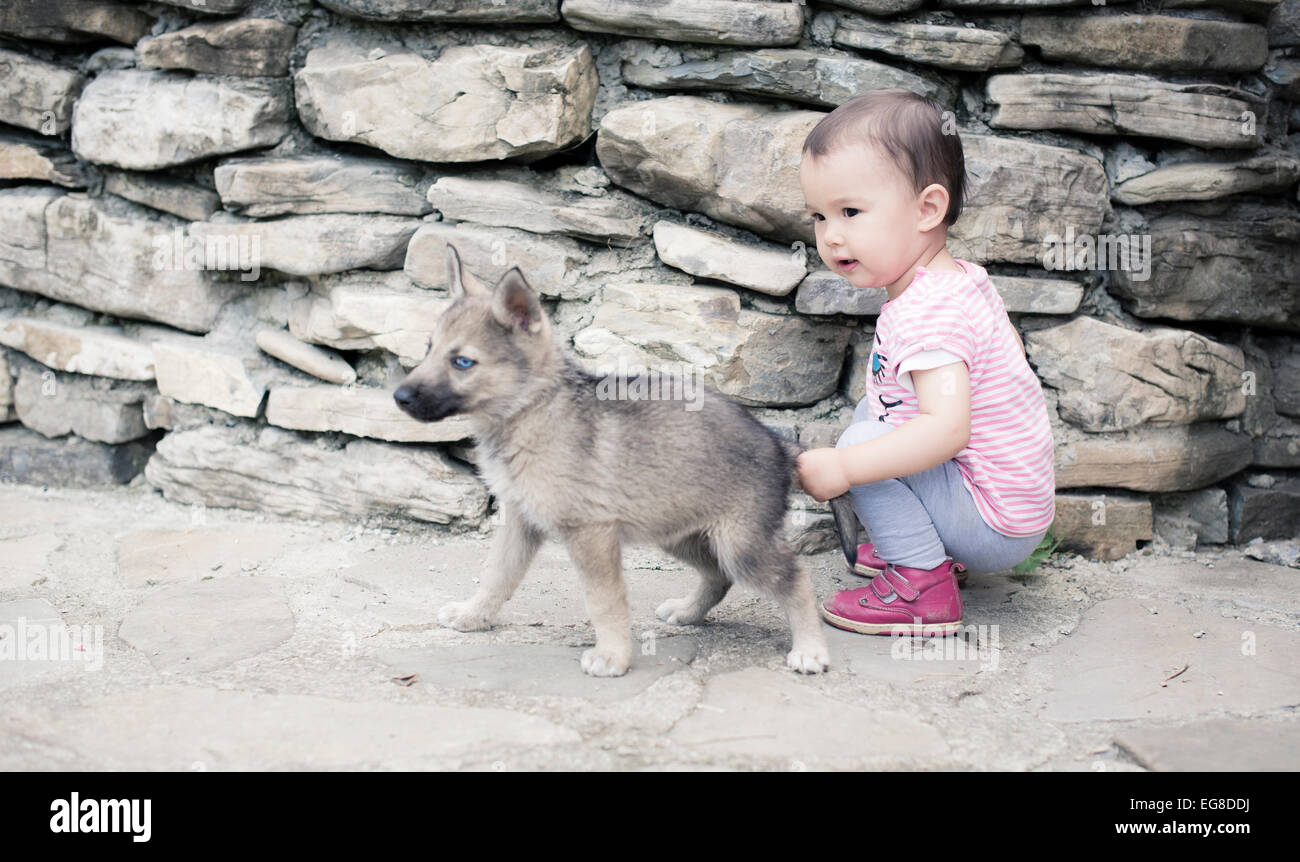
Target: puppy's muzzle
{"x":427,"y":404}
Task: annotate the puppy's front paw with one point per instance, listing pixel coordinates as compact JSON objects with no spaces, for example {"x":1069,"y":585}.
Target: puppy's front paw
{"x":599,"y":662}
{"x":809,"y":661}
{"x":679,"y":612}
{"x":463,"y":618}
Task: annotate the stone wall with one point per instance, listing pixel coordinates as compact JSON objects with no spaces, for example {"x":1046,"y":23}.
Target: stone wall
{"x":222,"y":228}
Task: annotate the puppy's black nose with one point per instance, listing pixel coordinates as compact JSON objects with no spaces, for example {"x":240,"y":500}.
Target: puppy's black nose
{"x":404,"y":396}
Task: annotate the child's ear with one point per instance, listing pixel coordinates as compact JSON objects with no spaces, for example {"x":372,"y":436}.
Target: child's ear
{"x":933,"y":207}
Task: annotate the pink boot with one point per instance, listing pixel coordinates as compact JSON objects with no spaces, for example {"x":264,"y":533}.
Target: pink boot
{"x":900,"y":601}
{"x":870,"y":565}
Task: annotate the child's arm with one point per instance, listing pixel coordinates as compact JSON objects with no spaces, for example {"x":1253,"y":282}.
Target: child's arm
{"x":940,"y":431}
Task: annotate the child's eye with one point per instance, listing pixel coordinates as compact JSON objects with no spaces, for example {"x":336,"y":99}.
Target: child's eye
{"x":850,"y":212}
{"x":816,"y":216}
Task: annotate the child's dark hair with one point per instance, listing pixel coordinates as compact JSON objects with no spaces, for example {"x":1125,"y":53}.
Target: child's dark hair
{"x":906,"y":126}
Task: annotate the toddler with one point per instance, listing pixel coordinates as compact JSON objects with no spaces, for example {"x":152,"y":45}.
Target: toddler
{"x":950,"y":456}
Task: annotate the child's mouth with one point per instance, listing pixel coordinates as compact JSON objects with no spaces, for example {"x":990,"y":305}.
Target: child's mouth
{"x":847,"y":265}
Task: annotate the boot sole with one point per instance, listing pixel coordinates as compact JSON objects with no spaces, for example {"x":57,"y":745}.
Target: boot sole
{"x":902,"y":629}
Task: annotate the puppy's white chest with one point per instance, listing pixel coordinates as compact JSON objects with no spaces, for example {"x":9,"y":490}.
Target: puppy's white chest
{"x":523,"y":489}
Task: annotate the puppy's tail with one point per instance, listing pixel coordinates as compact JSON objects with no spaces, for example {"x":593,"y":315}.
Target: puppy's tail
{"x":846,"y":520}
{"x":846,"y":526}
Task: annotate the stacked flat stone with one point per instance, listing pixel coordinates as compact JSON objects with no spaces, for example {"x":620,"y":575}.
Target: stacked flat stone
{"x":223,"y":232}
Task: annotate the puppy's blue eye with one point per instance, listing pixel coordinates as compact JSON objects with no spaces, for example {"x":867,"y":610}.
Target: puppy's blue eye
{"x":462,"y":362}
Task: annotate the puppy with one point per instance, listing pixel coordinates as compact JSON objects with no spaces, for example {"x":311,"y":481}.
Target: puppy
{"x":701,"y":479}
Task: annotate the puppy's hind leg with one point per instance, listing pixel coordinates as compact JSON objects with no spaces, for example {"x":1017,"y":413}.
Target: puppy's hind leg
{"x":513,"y":548}
{"x":809,"y":653}
{"x":769,"y":566}
{"x":691,"y":610}
{"x":597,"y":553}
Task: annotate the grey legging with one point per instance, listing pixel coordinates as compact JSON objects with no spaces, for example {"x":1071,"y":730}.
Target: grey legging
{"x":916,"y":520}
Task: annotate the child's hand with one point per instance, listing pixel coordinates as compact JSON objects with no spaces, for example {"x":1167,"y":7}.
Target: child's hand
{"x":821,"y":474}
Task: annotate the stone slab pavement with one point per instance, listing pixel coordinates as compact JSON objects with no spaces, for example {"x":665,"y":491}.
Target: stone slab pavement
{"x":141,"y":634}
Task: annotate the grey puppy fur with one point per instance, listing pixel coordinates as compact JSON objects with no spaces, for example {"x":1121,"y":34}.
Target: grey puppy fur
{"x":706,"y":482}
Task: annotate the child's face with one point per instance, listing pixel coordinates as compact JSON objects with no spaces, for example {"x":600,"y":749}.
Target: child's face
{"x":864,"y":213}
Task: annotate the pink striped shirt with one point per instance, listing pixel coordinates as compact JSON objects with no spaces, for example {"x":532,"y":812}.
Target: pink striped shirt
{"x":943,"y":317}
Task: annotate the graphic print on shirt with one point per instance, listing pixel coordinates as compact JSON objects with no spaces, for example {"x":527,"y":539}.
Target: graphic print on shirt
{"x":878,"y":374}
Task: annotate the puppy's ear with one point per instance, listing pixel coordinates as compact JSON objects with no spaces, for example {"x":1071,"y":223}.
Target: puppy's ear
{"x":515,"y":305}
{"x":460,"y":281}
